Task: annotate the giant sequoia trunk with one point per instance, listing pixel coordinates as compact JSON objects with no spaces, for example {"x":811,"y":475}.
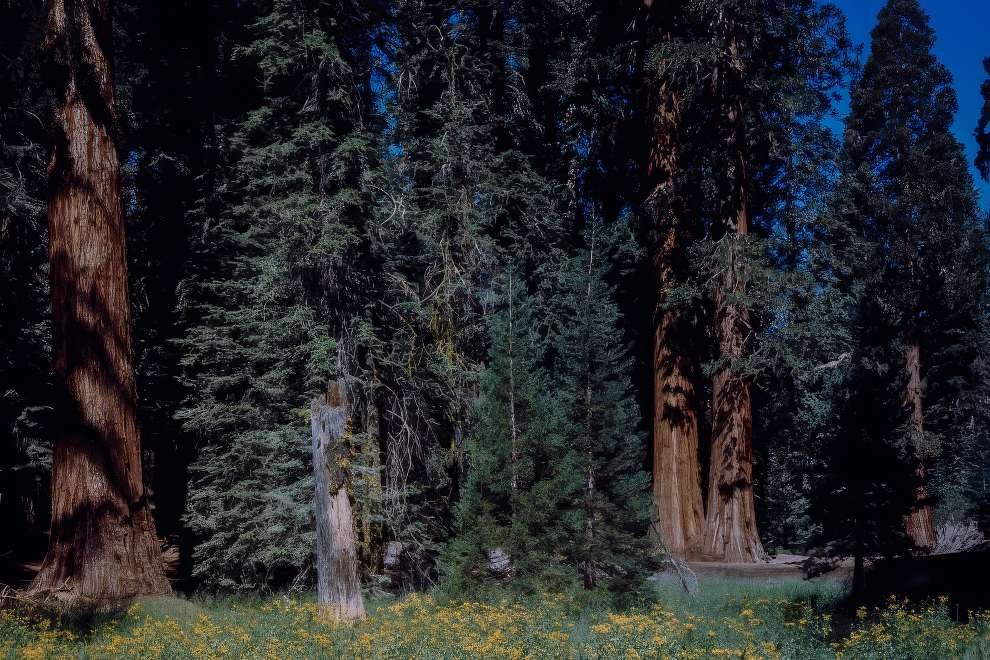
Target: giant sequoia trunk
{"x":730,"y":530}
{"x":103,"y":547}
{"x":338,"y":583}
{"x":678,"y":517}
{"x":919,"y":525}
{"x":730,"y":526}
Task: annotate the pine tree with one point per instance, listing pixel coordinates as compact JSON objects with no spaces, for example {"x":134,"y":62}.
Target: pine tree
{"x":438,"y":253}
{"x":678,"y":507}
{"x":907,"y":196}
{"x":730,"y":517}
{"x":555,"y":458}
{"x":608,"y":523}
{"x":753,"y":156}
{"x":860,"y":509}
{"x":983,"y":126}
{"x":521,"y":475}
{"x":798,"y":316}
{"x":25,"y":340}
{"x":471,"y":203}
{"x":275,"y":318}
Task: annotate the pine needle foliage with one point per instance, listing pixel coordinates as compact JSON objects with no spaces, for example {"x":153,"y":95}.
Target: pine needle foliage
{"x":25,"y":389}
{"x":607,"y":523}
{"x":911,"y":252}
{"x":983,"y":126}
{"x":273,"y":322}
{"x":556,"y":455}
{"x":519,"y":476}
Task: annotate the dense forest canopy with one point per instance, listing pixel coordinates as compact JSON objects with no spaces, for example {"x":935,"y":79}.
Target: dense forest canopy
{"x":594,"y":284}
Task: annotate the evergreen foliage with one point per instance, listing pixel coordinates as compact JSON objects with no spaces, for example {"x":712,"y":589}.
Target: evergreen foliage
{"x":861,"y":508}
{"x":461,"y":202}
{"x":556,"y":455}
{"x":449,"y":208}
{"x":25,"y":387}
{"x":607,"y":524}
{"x":275,"y":315}
{"x":789,"y":159}
{"x":520,"y":478}
{"x":983,"y":126}
{"x":911,"y":252}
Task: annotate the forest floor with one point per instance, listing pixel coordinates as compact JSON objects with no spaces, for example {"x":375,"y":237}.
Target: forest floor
{"x":726,"y":618}
{"x":781,"y":567}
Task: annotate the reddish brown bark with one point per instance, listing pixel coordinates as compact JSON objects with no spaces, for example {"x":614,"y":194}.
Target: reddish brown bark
{"x":103,"y":547}
{"x":730,"y":527}
{"x":678,"y":517}
{"x":920,"y":525}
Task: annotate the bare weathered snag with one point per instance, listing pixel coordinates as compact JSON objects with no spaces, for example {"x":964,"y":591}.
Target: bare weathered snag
{"x":678,"y":517}
{"x":730,"y":525}
{"x":920,"y":525}
{"x":103,"y":547}
{"x":338,"y":582}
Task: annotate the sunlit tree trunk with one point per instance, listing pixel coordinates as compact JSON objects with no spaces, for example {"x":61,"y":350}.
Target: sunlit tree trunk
{"x":730,"y":525}
{"x":338,"y":581}
{"x":103,"y":547}
{"x":919,"y":524}
{"x":678,"y":517}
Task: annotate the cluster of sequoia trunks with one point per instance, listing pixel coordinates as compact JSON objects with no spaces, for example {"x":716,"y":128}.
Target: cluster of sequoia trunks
{"x":728,"y":533}
{"x":726,"y":529}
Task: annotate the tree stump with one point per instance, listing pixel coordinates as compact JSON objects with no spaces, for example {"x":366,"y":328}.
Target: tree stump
{"x":500,"y":564}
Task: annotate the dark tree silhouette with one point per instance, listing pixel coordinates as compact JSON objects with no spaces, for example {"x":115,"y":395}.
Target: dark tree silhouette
{"x":983,"y":126}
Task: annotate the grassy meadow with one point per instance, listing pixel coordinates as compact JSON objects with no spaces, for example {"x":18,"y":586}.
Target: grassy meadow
{"x":728,"y":620}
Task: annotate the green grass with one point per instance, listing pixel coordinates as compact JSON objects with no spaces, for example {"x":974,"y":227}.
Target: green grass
{"x":726,"y":619}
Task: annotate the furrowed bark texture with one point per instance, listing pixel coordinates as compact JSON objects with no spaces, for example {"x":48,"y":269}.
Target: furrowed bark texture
{"x":678,"y":516}
{"x":103,"y":547}
{"x":338,"y":582}
{"x":920,"y":525}
{"x":730,"y":526}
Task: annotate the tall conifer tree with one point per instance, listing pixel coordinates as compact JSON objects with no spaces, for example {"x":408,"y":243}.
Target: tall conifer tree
{"x":518,"y":479}
{"x":103,"y":546}
{"x":276,"y":316}
{"x":608,"y":520}
{"x":678,"y":508}
{"x":750,"y":188}
{"x":907,"y":193}
{"x":730,"y":520}
{"x":469,"y":204}
{"x":983,"y":126}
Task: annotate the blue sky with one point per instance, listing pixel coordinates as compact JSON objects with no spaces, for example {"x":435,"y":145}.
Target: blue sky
{"x":961,"y":44}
